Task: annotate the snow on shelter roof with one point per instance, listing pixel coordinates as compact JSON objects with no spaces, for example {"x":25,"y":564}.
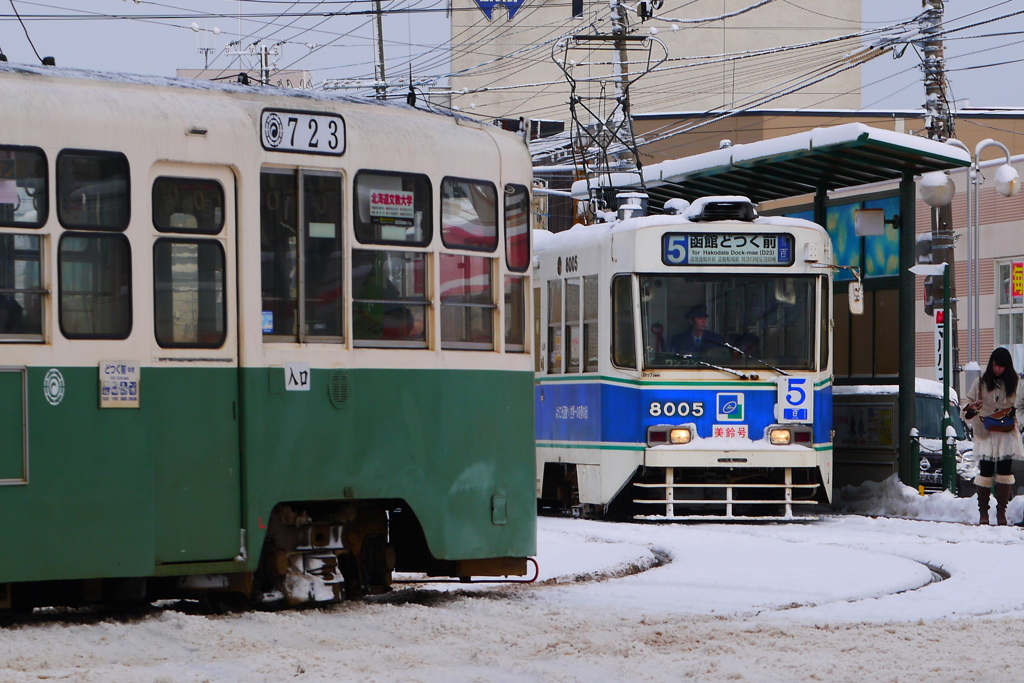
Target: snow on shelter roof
{"x":793,"y":165}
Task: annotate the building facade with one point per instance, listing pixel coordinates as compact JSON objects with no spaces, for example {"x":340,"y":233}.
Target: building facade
{"x":503,"y":67}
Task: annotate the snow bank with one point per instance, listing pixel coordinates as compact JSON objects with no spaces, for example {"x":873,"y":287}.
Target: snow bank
{"x":890,"y":498}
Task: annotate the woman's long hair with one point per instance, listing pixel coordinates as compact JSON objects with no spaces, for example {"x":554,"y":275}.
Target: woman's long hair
{"x":1009,"y":378}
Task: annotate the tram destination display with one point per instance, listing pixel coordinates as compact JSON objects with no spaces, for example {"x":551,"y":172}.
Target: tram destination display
{"x":727,"y":249}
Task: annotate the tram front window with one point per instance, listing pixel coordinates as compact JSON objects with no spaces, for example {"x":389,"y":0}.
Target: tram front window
{"x":736,"y":321}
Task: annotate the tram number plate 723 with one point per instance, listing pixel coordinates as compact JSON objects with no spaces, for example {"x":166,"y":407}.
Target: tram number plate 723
{"x":679,"y":409}
{"x":306,"y":132}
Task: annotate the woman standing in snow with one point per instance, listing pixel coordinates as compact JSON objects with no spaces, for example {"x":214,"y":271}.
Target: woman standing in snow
{"x":997,"y":441}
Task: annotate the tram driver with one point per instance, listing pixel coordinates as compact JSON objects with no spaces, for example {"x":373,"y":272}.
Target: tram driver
{"x":697,"y":339}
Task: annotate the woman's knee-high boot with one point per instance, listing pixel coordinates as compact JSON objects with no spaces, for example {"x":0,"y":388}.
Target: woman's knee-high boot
{"x":983,"y":497}
{"x":1002,"y":498}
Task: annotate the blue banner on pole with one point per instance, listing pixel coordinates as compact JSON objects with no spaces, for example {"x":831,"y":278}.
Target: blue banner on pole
{"x":487,"y":6}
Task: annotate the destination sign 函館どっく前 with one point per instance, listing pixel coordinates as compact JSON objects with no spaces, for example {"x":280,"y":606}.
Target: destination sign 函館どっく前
{"x":727,"y":249}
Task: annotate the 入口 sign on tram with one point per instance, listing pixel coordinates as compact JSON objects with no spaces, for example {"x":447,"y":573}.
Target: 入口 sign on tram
{"x":727,"y":249}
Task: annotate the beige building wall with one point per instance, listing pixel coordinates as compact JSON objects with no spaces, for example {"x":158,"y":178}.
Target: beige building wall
{"x":478,"y":46}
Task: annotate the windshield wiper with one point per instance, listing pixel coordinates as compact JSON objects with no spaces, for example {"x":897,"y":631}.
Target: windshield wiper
{"x":767,"y":365}
{"x":691,"y":357}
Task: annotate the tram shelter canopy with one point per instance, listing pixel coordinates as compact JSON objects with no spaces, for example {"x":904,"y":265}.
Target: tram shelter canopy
{"x":812,"y":162}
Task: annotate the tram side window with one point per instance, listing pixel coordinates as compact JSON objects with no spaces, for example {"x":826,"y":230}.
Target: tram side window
{"x":188,"y":205}
{"x":572,"y":324}
{"x":323,"y":257}
{"x":315,"y":251}
{"x":21,"y":289}
{"x":279,"y":253}
{"x":23,"y":187}
{"x":517,"y":228}
{"x":538,"y":364}
{"x":555,"y":327}
{"x":188,"y":295}
{"x":590,"y":352}
{"x":93,"y":190}
{"x":469,"y":214}
{"x":623,"y":340}
{"x":95,"y":286}
{"x":826,"y":318}
{"x":467,"y":305}
{"x":389,"y":304}
{"x":515,"y":313}
{"x":393,"y":208}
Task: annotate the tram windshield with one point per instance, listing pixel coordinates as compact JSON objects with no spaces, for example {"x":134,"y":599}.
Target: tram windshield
{"x":734,"y":321}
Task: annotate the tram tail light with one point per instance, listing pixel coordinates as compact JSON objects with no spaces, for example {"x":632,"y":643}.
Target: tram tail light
{"x":780,"y":437}
{"x":803,"y":437}
{"x":680,"y":435}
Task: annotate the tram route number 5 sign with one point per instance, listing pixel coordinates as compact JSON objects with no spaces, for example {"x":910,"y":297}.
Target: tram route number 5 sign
{"x":119,"y":384}
{"x":796,"y":400}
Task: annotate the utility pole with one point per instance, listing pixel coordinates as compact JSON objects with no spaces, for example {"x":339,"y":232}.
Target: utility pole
{"x":937,"y":117}
{"x":940,"y":126}
{"x":939,"y":123}
{"x":205,"y":51}
{"x":380,"y":87}
{"x":264,"y":54}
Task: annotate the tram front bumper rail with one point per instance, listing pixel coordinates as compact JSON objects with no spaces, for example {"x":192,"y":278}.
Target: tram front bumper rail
{"x":669,"y":502}
{"x":775,"y":456}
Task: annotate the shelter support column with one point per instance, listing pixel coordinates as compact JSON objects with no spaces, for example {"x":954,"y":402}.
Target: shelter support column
{"x":820,"y":208}
{"x":908,"y":469}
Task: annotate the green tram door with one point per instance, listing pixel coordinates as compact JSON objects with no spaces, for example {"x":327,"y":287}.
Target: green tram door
{"x":190,"y":389}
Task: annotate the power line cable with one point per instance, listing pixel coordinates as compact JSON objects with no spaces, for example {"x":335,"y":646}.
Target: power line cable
{"x":13,"y":7}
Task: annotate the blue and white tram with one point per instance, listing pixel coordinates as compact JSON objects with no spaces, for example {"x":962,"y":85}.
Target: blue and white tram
{"x":684,"y":366}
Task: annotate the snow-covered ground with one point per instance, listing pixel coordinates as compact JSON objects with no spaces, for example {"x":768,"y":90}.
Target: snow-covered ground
{"x":856,"y":597}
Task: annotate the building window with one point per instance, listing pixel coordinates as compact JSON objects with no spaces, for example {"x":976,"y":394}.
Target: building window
{"x":95,"y":295}
{"x":93,"y":190}
{"x":21,"y":289}
{"x":23,"y":187}
{"x":389,"y":306}
{"x":393,"y":208}
{"x":301,"y":268}
{"x":1010,"y":316}
{"x":189,"y":303}
{"x":467,"y":304}
{"x":469,"y":214}
{"x":188,"y":205}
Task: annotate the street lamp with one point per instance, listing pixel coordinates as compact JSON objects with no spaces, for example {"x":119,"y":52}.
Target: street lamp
{"x":948,"y":455}
{"x":1007,"y":184}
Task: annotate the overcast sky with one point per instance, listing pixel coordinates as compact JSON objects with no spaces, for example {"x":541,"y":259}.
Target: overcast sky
{"x":341,"y":46}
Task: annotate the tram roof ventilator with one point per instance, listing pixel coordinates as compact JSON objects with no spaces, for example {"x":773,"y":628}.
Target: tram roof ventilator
{"x":721,"y":209}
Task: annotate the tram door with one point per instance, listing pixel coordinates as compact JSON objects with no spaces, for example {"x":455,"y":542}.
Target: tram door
{"x":193,"y":387}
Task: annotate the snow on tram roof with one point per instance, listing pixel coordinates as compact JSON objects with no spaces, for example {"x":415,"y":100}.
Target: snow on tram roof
{"x":200,"y":84}
{"x":580,"y":234}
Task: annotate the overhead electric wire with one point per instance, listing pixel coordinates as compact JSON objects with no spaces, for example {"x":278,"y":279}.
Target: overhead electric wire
{"x":25,"y":29}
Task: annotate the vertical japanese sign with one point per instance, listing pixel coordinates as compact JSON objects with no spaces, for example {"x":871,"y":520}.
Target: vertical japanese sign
{"x":1017,"y":279}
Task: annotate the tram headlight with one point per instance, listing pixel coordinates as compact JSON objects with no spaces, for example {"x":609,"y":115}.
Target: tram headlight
{"x":780,"y":437}
{"x":680,"y":435}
